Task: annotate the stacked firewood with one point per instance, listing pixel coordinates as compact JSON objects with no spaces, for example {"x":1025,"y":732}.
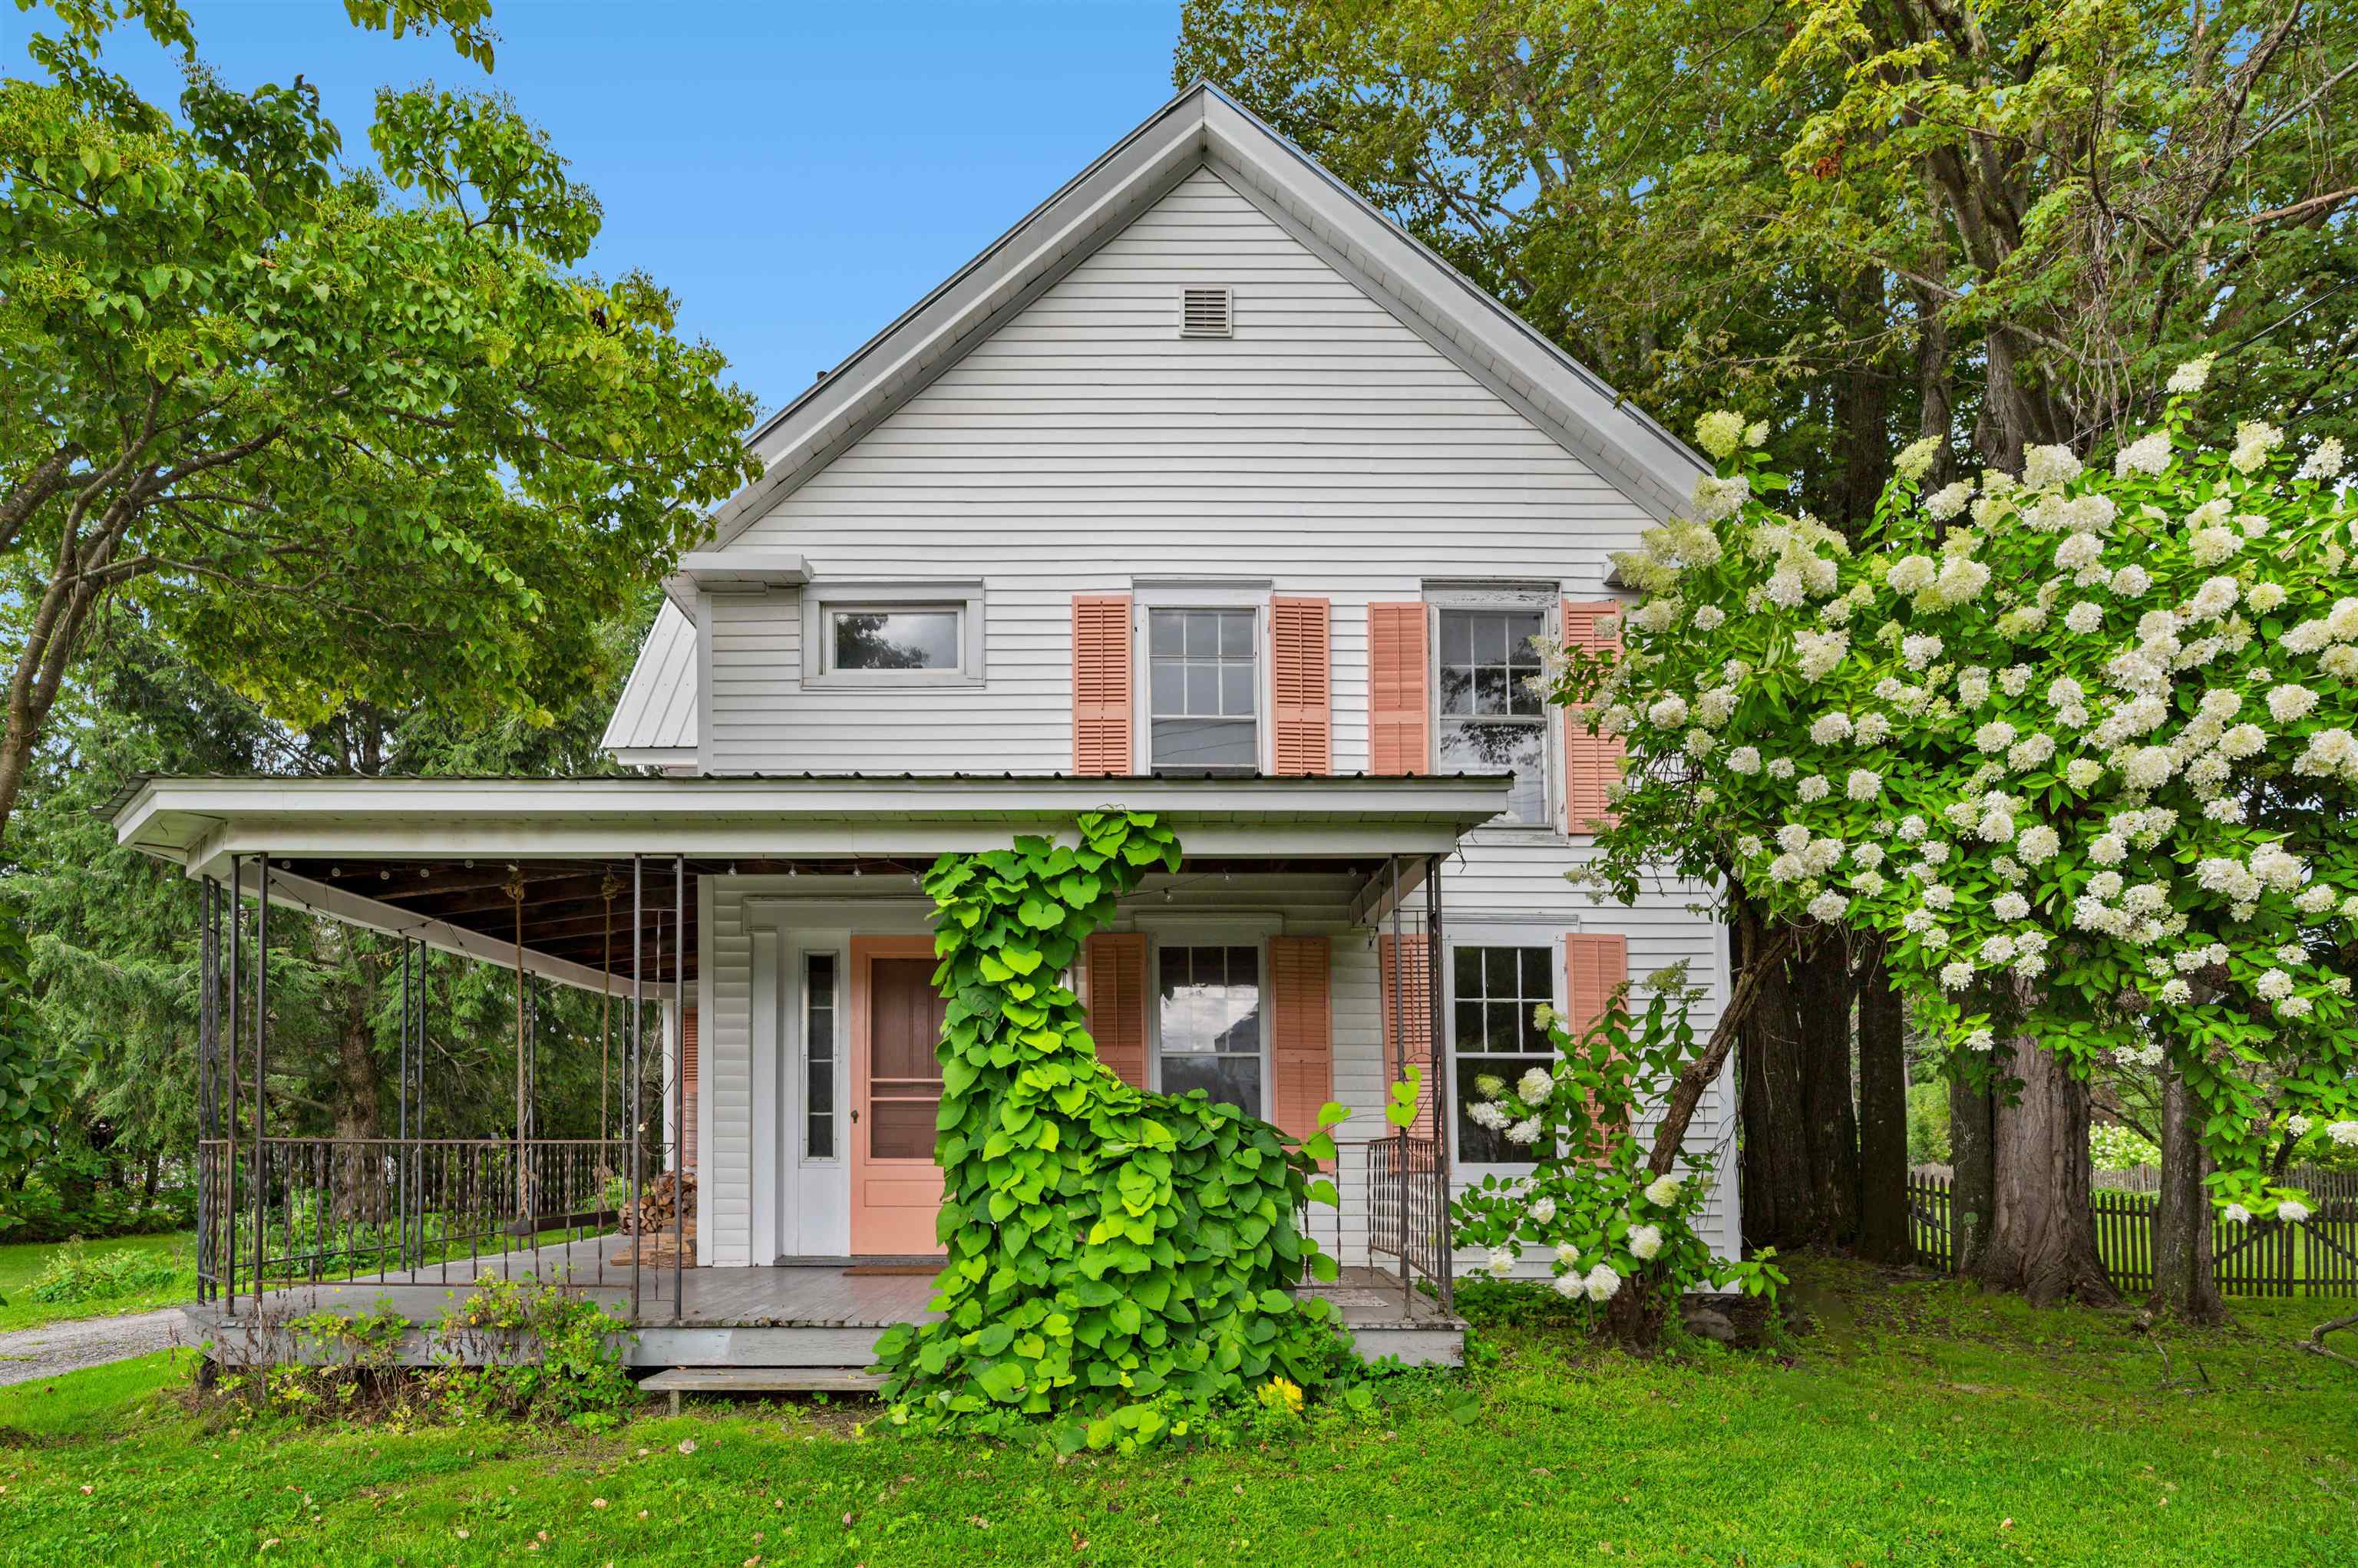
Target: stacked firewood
{"x":659,"y":1205}
{"x":659,"y":1201}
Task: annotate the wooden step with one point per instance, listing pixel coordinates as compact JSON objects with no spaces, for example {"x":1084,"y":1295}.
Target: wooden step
{"x":680,"y":1380}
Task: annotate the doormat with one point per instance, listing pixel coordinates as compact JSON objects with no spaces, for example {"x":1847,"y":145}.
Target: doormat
{"x":862,"y":1271}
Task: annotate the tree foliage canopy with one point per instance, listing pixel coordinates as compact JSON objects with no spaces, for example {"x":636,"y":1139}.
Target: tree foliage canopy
{"x":343,"y":436}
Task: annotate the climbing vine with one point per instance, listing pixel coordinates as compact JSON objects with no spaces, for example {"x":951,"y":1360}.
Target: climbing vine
{"x":1119,"y":1261}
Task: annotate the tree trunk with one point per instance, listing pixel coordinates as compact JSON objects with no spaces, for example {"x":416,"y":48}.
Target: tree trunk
{"x":1973,"y":1191}
{"x":1777,"y":1208}
{"x":2042,"y":1237}
{"x":1882,"y":1120}
{"x":358,"y":1087}
{"x":1823,"y":992}
{"x":2184,"y":1283}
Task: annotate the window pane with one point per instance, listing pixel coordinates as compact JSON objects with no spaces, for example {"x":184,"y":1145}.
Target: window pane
{"x":1471,"y":746}
{"x":1234,"y":1080}
{"x":1457,"y":637}
{"x":1237,"y":690}
{"x":1490,"y":639}
{"x":1209,"y":1023}
{"x":1457,"y":689}
{"x":1167,"y":632}
{"x":1236,"y":635}
{"x":1203,"y":634}
{"x":1490,"y":688}
{"x":1500,"y":969}
{"x":1169,"y":691}
{"x":897,"y":640}
{"x":1490,"y":1080}
{"x":1226,"y":744}
{"x":1538,"y":978}
{"x":819,"y":1050}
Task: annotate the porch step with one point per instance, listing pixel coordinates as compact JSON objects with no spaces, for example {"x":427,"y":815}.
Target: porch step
{"x":679,"y":1381}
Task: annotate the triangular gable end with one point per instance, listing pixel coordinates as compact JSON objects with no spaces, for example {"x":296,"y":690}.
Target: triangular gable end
{"x":1201,"y":128}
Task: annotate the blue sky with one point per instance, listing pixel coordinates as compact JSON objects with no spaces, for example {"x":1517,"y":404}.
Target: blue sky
{"x":798,"y":173}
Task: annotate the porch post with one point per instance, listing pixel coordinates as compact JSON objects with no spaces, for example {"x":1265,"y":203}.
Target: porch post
{"x":1399,"y":1043}
{"x":208,"y":1070}
{"x":401,"y":1126}
{"x":1441,"y":1087}
{"x":632,"y":1093}
{"x":679,"y":1078}
{"x":229,"y":1209}
{"x":261,"y":1068}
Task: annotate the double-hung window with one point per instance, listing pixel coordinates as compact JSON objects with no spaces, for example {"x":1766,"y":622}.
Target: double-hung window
{"x":1203,"y":680}
{"x":1493,"y":1042}
{"x":1209,"y":1023}
{"x":1493,"y":720}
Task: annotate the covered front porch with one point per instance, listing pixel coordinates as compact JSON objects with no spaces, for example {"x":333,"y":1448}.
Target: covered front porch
{"x":685,"y":902}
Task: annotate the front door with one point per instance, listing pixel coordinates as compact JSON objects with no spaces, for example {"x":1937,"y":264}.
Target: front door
{"x":896,"y":1089}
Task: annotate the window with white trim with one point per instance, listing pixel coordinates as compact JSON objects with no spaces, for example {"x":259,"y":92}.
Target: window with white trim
{"x":1202,"y":690}
{"x":892,"y":633}
{"x":1209,"y":1023}
{"x":1493,"y":1042}
{"x":1492,"y":717}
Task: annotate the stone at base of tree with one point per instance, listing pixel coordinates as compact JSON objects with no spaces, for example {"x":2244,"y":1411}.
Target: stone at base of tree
{"x":1709,"y":1323}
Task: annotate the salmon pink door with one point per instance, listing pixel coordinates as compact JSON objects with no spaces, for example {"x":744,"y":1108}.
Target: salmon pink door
{"x":896,"y":1089}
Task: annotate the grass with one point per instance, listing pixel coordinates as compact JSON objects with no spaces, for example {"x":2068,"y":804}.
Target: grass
{"x":1919,"y":1423}
{"x":22,"y":1262}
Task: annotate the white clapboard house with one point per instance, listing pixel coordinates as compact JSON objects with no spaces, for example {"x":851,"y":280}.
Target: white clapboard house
{"x":1203,"y":489}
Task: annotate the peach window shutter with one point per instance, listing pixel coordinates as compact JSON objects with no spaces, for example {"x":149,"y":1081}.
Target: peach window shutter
{"x":1302,"y":1030}
{"x":1398,"y":707}
{"x":1591,"y":763}
{"x":688,"y":1066}
{"x":1117,"y":981}
{"x":1301,"y":679}
{"x":1595,"y":965}
{"x":1101,"y":679}
{"x":1405,"y":993}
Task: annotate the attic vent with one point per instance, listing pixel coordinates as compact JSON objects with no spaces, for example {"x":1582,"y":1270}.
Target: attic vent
{"x":1206,"y":313}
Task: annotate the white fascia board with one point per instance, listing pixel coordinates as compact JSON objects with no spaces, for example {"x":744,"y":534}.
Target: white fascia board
{"x":199,"y":822}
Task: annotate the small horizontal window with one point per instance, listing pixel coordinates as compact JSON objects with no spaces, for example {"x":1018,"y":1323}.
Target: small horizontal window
{"x":892,"y":633}
{"x":895,"y":639}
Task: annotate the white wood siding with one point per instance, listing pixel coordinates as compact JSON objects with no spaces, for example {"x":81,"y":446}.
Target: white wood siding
{"x":1327,"y":448}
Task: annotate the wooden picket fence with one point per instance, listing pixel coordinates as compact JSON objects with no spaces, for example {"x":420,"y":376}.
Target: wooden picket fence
{"x":2317,"y":1256}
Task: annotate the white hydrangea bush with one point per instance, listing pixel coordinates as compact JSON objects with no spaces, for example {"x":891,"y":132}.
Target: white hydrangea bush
{"x":2080,"y":743}
{"x":1614,"y":1235}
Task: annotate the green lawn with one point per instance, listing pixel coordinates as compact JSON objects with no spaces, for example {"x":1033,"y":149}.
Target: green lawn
{"x":22,"y":1262}
{"x":1916,"y":1423}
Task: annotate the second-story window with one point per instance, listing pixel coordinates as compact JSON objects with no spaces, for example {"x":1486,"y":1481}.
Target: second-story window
{"x":1492,"y":721}
{"x":892,"y":639}
{"x":1203,"y":691}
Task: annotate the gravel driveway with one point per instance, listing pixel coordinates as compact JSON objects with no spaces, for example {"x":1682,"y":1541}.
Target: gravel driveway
{"x":31,"y":1353}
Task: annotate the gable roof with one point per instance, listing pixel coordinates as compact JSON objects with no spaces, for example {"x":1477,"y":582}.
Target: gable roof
{"x":1201,"y":126}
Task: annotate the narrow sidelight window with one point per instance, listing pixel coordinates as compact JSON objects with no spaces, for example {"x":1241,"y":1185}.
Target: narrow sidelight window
{"x":819,"y":1056}
{"x":1204,"y":691}
{"x":1492,"y":721}
{"x":1208,"y":1023}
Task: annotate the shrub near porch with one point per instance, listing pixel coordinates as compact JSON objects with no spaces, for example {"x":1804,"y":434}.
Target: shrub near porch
{"x":1923,"y":1423}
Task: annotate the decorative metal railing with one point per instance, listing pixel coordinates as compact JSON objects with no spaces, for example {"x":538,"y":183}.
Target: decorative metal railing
{"x":303,"y":1210}
{"x":1408,"y":1211}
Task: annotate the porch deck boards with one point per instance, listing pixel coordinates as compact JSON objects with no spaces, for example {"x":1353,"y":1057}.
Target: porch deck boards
{"x":741,"y":1316}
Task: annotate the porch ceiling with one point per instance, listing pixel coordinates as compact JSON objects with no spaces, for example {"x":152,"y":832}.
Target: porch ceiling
{"x":444,"y":860}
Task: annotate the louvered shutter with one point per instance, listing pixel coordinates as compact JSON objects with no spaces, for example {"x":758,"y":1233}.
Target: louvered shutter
{"x":1102,"y":703}
{"x":1594,"y":967}
{"x":1117,"y":980}
{"x":1591,"y":763}
{"x":690,"y":1065}
{"x":1301,"y":679}
{"x":1405,"y":994}
{"x":1302,"y":1030}
{"x":1398,"y":707}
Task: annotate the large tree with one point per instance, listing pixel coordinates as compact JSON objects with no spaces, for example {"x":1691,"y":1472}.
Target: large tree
{"x":345,"y":439}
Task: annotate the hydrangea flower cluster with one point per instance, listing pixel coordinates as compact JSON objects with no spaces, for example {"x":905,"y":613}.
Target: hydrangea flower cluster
{"x":2080,"y":743}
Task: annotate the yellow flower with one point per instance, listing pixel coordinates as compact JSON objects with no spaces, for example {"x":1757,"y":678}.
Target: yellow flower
{"x":1280,"y":1393}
